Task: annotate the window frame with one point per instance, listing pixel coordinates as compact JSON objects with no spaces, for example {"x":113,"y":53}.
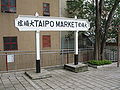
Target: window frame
{"x":46,"y":9}
{"x":10,"y":43}
{"x":8,"y":6}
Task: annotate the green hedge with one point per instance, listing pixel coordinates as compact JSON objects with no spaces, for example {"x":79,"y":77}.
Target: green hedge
{"x":99,"y":62}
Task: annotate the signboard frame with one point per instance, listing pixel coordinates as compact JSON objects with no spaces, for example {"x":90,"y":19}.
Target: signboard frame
{"x":23,"y":26}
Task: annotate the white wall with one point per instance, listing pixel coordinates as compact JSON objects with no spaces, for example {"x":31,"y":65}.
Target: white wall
{"x":62,"y":8}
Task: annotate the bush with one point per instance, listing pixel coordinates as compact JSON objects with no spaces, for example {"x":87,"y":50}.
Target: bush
{"x":99,"y":62}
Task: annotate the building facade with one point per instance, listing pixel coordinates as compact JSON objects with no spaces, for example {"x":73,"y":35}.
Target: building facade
{"x":12,"y":40}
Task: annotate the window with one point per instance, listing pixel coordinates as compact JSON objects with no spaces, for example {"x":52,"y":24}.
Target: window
{"x":46,"y":41}
{"x":10,"y":43}
{"x":8,"y":6}
{"x":46,"y":9}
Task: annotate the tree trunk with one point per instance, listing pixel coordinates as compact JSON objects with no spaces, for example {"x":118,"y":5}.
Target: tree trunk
{"x":102,"y":49}
{"x":97,"y":31}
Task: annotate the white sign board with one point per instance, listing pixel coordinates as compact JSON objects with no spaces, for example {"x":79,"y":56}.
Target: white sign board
{"x":39,"y":23}
{"x":10,"y":58}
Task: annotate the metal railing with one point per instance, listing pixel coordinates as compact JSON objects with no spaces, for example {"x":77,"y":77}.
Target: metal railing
{"x":17,"y":60}
{"x":111,"y":53}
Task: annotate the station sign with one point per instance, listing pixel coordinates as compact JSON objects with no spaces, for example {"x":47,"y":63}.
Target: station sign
{"x":41,"y":23}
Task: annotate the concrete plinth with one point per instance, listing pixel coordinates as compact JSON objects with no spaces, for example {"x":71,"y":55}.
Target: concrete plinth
{"x":33,"y":75}
{"x":76,"y":68}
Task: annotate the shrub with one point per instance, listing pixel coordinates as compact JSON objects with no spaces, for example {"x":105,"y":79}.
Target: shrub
{"x":99,"y":62}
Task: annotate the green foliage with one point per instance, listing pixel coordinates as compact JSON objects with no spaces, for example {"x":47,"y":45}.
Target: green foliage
{"x":99,"y":62}
{"x":115,"y":20}
{"x":75,"y":8}
{"x":85,"y":9}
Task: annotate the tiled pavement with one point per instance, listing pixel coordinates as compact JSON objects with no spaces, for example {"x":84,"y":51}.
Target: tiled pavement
{"x":107,"y":78}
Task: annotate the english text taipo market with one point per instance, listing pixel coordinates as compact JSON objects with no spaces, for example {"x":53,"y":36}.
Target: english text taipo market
{"x":47,"y":23}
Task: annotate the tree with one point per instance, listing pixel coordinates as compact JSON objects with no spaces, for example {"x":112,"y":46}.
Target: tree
{"x":102,"y":23}
{"x":102,"y":15}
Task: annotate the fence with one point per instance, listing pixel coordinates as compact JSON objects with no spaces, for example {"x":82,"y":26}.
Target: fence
{"x":17,"y":60}
{"x":111,"y":53}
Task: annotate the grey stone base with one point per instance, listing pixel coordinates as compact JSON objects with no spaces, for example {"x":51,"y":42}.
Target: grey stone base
{"x":33,"y":75}
{"x":76,"y":68}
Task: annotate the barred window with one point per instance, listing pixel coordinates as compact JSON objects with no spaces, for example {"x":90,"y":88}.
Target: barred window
{"x":46,"y":9}
{"x":8,"y":6}
{"x":10,"y":43}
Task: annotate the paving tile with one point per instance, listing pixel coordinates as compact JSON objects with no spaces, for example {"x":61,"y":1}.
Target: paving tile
{"x":64,"y":87}
{"x":29,"y":88}
{"x":12,"y":88}
{"x":19,"y":86}
{"x":59,"y":88}
{"x":51,"y":89}
{"x":2,"y":88}
{"x":45,"y":87}
{"x":78,"y":89}
{"x":70,"y":89}
{"x":94,"y":79}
